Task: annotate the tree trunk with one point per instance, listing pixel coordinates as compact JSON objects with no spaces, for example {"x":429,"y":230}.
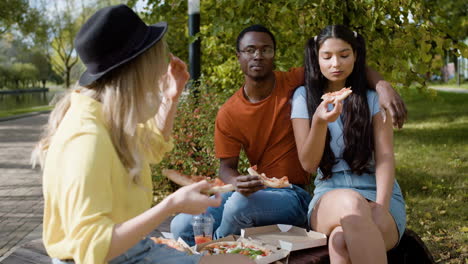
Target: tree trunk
{"x":67,"y":78}
{"x":346,"y":20}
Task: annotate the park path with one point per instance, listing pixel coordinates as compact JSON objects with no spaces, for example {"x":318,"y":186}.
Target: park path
{"x":21,"y":201}
{"x":452,"y":90}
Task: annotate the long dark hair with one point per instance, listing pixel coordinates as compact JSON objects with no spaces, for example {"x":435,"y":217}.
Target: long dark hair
{"x":357,"y":135}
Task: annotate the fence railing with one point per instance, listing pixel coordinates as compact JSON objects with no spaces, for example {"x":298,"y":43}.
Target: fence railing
{"x":22,"y":91}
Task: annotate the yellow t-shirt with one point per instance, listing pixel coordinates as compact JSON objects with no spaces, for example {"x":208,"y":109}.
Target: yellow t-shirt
{"x":87,"y":190}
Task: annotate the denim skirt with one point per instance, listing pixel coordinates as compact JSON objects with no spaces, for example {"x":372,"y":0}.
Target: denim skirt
{"x":364,"y":184}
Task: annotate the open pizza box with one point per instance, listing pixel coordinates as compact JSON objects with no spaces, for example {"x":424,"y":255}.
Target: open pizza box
{"x":286,"y":237}
{"x":276,"y":254}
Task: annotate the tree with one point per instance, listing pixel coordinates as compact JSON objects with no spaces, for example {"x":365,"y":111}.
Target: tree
{"x":64,"y":29}
{"x":65,"y":25}
{"x":41,"y":62}
{"x":452,"y":17}
{"x":402,"y":40}
{"x":17,"y":13}
{"x":21,"y":65}
{"x":23,"y":74}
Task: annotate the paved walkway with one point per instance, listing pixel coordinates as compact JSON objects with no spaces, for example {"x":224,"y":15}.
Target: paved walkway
{"x":453,"y":90}
{"x":21,"y":202}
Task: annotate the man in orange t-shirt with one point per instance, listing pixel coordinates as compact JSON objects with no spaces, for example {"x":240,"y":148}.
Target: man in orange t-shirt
{"x":257,"y":119}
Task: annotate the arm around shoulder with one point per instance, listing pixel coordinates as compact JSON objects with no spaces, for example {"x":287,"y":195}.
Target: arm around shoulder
{"x":389,"y":99}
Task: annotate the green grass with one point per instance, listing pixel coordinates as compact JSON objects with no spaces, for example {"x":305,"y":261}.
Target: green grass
{"x":8,"y":113}
{"x":432,"y":169}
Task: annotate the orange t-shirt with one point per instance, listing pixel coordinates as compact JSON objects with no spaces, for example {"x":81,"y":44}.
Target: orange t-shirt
{"x":263,"y":129}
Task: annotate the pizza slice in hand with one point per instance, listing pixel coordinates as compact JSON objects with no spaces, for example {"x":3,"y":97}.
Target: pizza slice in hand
{"x":270,"y":182}
{"x":338,"y":95}
{"x":217,"y":185}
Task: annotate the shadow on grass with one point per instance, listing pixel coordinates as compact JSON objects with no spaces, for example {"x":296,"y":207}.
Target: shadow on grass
{"x":417,"y":182}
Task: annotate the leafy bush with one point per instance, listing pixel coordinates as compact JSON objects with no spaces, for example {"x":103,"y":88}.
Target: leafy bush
{"x":193,"y":138}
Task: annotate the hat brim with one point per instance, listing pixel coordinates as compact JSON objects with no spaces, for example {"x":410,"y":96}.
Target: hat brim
{"x":156,"y":32}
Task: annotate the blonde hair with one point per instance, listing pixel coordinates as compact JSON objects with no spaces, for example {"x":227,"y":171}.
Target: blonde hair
{"x":125,"y":94}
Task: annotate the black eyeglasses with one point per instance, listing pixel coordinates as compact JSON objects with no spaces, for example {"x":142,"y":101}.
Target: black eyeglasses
{"x":267,"y":52}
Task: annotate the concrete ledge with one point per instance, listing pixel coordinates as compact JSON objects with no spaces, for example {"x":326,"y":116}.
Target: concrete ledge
{"x":24,"y":115}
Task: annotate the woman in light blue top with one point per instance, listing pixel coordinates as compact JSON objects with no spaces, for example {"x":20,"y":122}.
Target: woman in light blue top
{"x":357,"y":201}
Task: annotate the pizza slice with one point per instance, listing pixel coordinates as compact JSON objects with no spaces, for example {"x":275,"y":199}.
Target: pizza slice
{"x":171,"y":243}
{"x":270,"y":182}
{"x":248,"y":249}
{"x":217,"y":185}
{"x":338,"y":95}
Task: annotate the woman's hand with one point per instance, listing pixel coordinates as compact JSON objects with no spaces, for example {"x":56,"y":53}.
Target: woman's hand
{"x":323,"y":115}
{"x":189,"y":200}
{"x":177,"y":78}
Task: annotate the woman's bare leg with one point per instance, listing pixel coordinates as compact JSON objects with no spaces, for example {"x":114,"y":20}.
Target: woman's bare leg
{"x":351,"y":211}
{"x":337,"y":247}
{"x":386,"y":224}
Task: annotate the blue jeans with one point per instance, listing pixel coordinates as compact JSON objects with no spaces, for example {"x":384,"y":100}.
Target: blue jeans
{"x":265,"y":207}
{"x":148,"y":252}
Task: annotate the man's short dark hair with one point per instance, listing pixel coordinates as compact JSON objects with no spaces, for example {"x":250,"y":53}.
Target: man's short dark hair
{"x":255,"y":28}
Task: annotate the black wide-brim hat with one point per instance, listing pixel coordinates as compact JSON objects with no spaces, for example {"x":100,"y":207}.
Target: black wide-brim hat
{"x":111,"y":37}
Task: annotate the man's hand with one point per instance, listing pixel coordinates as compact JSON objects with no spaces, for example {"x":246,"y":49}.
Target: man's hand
{"x":248,"y":184}
{"x":390,"y":100}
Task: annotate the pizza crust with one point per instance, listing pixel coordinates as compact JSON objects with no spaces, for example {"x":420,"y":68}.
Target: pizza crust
{"x":221,"y":189}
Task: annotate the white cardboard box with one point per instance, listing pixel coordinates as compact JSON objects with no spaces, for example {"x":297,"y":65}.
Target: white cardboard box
{"x":286,"y":236}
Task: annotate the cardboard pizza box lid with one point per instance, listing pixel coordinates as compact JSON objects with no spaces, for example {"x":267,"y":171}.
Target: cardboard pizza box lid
{"x":286,"y":236}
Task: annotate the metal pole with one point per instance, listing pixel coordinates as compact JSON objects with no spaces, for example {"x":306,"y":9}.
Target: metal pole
{"x":194,"y":47}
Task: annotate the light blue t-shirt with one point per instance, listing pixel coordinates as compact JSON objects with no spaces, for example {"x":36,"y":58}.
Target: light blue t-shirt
{"x":299,"y":110}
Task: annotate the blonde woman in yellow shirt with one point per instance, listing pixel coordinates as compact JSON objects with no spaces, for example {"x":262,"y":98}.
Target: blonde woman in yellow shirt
{"x":100,"y":140}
